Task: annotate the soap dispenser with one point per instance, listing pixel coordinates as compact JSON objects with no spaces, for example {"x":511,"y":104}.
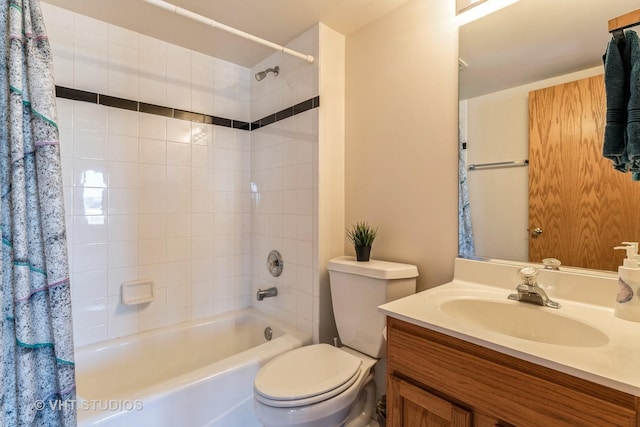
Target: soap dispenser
{"x":627,"y":301}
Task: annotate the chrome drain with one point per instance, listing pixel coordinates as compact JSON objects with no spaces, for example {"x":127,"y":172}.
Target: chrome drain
{"x":268,"y":333}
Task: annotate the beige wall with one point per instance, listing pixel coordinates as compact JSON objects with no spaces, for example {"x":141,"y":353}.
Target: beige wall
{"x":401,"y":136}
{"x":330,"y":197}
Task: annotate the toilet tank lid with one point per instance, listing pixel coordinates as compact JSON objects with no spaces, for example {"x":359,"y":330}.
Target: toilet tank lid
{"x":373,"y":268}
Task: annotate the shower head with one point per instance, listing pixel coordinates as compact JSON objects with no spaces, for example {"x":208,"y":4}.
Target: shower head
{"x":262,"y":74}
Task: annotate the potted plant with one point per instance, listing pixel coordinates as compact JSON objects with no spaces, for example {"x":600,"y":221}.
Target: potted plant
{"x":362,"y":235}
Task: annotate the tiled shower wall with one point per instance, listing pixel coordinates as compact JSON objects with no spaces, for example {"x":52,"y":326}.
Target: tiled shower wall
{"x":284,"y":184}
{"x":147,"y":196}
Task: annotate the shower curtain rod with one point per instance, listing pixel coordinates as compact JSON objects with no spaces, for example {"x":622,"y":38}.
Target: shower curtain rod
{"x":215,"y":24}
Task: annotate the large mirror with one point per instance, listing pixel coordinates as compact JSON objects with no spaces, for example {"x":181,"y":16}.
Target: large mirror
{"x":529,"y":45}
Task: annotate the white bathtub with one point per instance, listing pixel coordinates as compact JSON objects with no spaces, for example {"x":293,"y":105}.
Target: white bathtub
{"x":197,"y":373}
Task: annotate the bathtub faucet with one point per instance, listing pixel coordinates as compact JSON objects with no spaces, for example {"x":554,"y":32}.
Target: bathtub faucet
{"x":266,"y":293}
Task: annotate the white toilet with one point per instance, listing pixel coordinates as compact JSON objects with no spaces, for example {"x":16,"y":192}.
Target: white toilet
{"x":324,"y":386}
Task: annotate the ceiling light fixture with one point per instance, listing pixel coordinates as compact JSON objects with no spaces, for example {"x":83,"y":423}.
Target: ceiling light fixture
{"x":470,"y":10}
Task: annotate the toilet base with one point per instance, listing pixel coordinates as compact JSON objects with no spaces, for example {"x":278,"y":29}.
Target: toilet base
{"x":358,"y":414}
{"x":291,"y":418}
{"x":363,"y":407}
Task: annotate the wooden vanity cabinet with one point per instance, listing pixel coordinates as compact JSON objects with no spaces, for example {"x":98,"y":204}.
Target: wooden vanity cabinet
{"x":437,"y":380}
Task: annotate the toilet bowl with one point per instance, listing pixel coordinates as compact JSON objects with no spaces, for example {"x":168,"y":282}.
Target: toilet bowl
{"x":316,"y":386}
{"x":325,"y":386}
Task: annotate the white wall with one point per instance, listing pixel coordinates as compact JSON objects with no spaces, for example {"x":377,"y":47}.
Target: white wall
{"x":497,"y":130}
{"x":149,"y":196}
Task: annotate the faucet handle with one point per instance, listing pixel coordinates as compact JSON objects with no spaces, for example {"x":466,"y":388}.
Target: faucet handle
{"x":551,"y":263}
{"x":528,"y":274}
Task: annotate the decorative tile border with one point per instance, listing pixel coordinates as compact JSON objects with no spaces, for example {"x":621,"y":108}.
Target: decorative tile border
{"x":287,"y":112}
{"x":127,"y":104}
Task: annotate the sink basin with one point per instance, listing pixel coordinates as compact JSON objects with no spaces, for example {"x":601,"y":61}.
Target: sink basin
{"x":525,"y":321}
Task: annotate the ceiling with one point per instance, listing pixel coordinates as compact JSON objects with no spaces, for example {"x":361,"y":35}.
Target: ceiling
{"x":278,"y":21}
{"x":534,"y":40}
{"x":528,"y":41}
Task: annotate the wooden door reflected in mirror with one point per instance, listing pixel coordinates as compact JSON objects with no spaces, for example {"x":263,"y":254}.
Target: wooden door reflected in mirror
{"x":582,"y":206}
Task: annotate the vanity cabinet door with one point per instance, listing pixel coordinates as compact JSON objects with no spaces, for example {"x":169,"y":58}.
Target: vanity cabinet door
{"x":412,"y":406}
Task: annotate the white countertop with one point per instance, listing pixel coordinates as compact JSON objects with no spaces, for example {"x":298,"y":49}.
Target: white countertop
{"x":614,"y":364}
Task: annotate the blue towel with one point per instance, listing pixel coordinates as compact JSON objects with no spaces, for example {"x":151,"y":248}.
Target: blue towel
{"x":633,"y":107}
{"x":616,"y":83}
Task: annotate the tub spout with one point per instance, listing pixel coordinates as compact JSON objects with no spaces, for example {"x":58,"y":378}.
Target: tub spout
{"x":266,"y":293}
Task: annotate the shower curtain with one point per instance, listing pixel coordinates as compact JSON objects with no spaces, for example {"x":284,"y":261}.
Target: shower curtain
{"x":38,"y":375}
{"x":466,"y":245}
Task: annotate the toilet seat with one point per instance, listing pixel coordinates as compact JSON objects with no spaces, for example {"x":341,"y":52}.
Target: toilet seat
{"x":306,"y":375}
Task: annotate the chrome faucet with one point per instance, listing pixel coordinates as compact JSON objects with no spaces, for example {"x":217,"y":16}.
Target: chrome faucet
{"x":266,"y":293}
{"x":529,"y":291}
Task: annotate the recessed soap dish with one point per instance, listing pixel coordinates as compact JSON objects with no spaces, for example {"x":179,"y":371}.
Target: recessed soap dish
{"x":137,"y":292}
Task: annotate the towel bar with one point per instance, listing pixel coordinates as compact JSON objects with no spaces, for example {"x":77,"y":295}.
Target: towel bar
{"x":498,"y":165}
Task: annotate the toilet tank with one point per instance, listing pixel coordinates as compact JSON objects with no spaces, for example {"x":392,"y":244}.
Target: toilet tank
{"x":357,"y":289}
